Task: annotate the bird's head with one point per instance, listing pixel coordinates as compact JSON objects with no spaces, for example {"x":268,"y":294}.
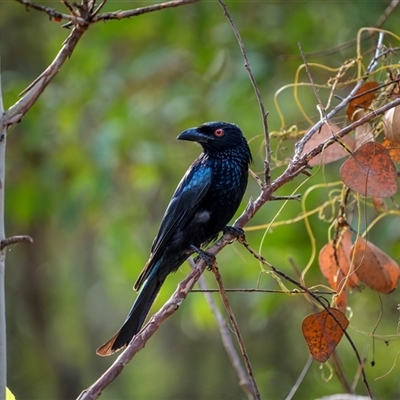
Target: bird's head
{"x":216,"y":137}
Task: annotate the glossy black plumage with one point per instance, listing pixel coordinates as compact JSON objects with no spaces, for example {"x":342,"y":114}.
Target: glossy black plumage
{"x":204,"y":202}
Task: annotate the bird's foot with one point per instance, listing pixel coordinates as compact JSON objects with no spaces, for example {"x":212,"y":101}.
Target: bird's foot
{"x":235,"y":231}
{"x":208,"y":258}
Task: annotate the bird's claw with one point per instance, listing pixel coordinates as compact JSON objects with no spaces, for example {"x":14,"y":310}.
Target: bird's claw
{"x":208,"y":258}
{"x":235,"y":231}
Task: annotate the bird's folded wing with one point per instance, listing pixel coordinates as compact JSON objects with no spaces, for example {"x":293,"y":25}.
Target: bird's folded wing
{"x":181,"y":209}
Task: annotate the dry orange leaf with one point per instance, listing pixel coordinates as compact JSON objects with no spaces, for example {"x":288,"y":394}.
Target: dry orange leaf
{"x":322,"y":333}
{"x":334,"y":263}
{"x":332,"y":272}
{"x":361,"y":102}
{"x":370,"y":171}
{"x":374,"y":267}
{"x":393,"y":148}
{"x":331,"y":153}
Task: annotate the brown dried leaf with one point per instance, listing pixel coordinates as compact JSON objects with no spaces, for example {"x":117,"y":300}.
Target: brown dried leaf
{"x":362,"y":102}
{"x":370,"y":171}
{"x":334,"y":275}
{"x":334,"y":263}
{"x":331,"y":153}
{"x":374,"y":267}
{"x":322,"y":333}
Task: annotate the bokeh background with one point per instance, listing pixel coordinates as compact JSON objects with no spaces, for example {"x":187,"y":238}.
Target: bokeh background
{"x":92,"y":166}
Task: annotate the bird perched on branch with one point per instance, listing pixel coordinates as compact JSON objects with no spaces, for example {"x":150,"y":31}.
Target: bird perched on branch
{"x":205,"y":200}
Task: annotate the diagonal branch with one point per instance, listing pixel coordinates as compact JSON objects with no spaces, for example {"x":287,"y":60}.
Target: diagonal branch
{"x":52,"y":12}
{"x":94,"y":15}
{"x":3,"y":341}
{"x":139,"y":11}
{"x":254,"y":389}
{"x":226,"y":337}
{"x":16,"y":112}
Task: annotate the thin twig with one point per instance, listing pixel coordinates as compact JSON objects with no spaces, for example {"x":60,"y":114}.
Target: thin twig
{"x":15,"y":239}
{"x":310,"y":78}
{"x":274,"y":291}
{"x":300,"y":379}
{"x":53,"y":13}
{"x":264,"y":114}
{"x":226,"y":337}
{"x":139,"y":11}
{"x":3,"y":336}
{"x":15,"y":113}
{"x":236,"y":330}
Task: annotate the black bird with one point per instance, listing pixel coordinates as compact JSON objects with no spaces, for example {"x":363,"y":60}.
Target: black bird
{"x":205,"y":200}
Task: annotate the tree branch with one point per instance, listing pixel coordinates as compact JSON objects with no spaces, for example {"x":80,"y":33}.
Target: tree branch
{"x":3,"y":342}
{"x":16,"y":112}
{"x":255,"y":393}
{"x":139,"y":11}
{"x":226,"y":338}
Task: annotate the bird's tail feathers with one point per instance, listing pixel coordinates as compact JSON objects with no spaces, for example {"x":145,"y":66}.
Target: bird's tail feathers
{"x":135,"y":318}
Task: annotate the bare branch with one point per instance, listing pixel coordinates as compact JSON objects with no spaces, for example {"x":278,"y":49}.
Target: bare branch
{"x":253,"y":389}
{"x":15,"y":113}
{"x":3,"y":337}
{"x":275,"y":291}
{"x":52,"y":13}
{"x":264,"y":114}
{"x":226,"y":338}
{"x":15,"y":239}
{"x":300,"y":379}
{"x":139,"y":11}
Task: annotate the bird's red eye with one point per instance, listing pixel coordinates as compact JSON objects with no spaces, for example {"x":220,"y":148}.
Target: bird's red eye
{"x":219,"y":132}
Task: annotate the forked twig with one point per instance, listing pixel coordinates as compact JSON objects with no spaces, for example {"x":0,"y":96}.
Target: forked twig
{"x":254,"y":390}
{"x":117,"y":15}
{"x":226,"y":337}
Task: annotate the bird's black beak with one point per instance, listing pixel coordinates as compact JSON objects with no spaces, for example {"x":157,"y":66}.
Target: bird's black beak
{"x":193,"y":135}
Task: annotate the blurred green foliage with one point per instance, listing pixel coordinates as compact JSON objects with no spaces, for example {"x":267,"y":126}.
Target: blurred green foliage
{"x":92,"y":166}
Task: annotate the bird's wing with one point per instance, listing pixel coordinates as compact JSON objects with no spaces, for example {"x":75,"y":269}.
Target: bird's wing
{"x":183,"y":205}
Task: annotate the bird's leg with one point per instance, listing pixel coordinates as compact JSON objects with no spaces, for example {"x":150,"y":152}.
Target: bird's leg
{"x":208,"y":258}
{"x":235,"y":231}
